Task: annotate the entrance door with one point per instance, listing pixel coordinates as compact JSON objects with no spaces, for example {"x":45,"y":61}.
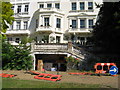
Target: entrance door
{"x":57,"y":39}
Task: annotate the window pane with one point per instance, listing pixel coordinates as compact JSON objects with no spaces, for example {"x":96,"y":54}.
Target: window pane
{"x":17,"y":40}
{"x":9,"y":39}
{"x":82,"y":23}
{"x":74,"y":23}
{"x":25,"y":25}
{"x":82,"y":7}
{"x":26,"y":8}
{"x":73,"y":6}
{"x":18,"y":25}
{"x":19,"y":9}
{"x":58,"y":23}
{"x":36,"y":23}
{"x":90,"y":5}
{"x":46,"y":21}
{"x":90,"y":23}
{"x":49,"y":5}
{"x":41,"y":5}
{"x":57,"y":5}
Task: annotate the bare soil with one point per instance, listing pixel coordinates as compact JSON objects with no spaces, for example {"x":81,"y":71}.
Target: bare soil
{"x":105,"y":81}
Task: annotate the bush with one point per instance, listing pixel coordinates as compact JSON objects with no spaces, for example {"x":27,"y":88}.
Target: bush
{"x":16,"y":57}
{"x":71,"y":62}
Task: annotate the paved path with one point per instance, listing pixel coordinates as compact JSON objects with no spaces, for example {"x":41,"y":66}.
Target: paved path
{"x":106,"y":81}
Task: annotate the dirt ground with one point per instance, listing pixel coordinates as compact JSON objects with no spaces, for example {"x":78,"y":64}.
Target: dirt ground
{"x":105,"y":81}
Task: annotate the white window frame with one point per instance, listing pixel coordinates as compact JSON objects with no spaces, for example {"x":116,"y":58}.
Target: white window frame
{"x":58,"y":23}
{"x":26,"y":8}
{"x":18,"y":26}
{"x":42,"y":5}
{"x":47,"y":23}
{"x":25,"y":25}
{"x":90,"y":7}
{"x":74,"y":26}
{"x":19,"y":8}
{"x":74,"y":7}
{"x":83,"y":26}
{"x":90,"y":26}
{"x":83,"y":6}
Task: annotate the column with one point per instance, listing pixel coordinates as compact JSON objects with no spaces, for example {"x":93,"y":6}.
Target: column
{"x":61,"y":38}
{"x":22,"y":25}
{"x":78,"y":8}
{"x":34,"y":61}
{"x":86,"y":21}
{"x":70,"y":23}
{"x":86,"y":5}
{"x":78,"y":23}
{"x":94,"y":21}
{"x":14,"y":25}
{"x":70,"y":46}
{"x":85,"y":40}
{"x":15,"y":8}
{"x":22,"y":8}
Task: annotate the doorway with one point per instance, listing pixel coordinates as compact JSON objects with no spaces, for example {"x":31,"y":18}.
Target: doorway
{"x":52,"y":60}
{"x":57,"y":39}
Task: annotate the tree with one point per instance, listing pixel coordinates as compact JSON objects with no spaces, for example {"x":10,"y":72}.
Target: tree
{"x":106,"y":32}
{"x":71,"y":62}
{"x":6,"y":15}
{"x":16,"y":57}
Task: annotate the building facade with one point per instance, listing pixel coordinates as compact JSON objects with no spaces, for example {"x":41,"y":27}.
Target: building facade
{"x":52,"y":22}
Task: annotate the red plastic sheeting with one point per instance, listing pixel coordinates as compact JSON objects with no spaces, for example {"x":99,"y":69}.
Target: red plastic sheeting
{"x":7,"y":75}
{"x":49,"y":77}
{"x":84,"y":73}
{"x":33,"y":72}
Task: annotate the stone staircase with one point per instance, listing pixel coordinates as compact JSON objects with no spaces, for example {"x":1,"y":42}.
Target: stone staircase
{"x":60,"y":48}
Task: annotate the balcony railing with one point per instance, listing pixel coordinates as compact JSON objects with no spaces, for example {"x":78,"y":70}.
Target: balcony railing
{"x":19,"y":31}
{"x":81,"y":11}
{"x":50,"y":10}
{"x":44,"y":28}
{"x":80,"y":30}
{"x":50,"y":47}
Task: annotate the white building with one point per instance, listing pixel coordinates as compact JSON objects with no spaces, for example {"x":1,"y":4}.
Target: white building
{"x":52,"y":21}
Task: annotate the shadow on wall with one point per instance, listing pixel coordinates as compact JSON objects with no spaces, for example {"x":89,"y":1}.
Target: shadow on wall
{"x":34,"y":21}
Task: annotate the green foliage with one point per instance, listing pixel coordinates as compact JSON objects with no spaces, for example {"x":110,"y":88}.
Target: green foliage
{"x":71,"y":62}
{"x":26,"y":40}
{"x":6,"y":15}
{"x":16,"y":57}
{"x":45,"y":38}
{"x":106,"y":32}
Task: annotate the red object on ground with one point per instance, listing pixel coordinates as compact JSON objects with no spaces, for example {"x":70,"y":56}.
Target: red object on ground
{"x":103,"y":65}
{"x":49,"y":77}
{"x":82,"y":73}
{"x":33,"y":72}
{"x":7,"y":75}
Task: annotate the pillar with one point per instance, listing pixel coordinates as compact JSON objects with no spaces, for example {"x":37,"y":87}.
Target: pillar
{"x":70,"y":46}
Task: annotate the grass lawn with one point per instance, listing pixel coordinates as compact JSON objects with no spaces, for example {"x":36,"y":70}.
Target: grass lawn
{"x":16,"y":83}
